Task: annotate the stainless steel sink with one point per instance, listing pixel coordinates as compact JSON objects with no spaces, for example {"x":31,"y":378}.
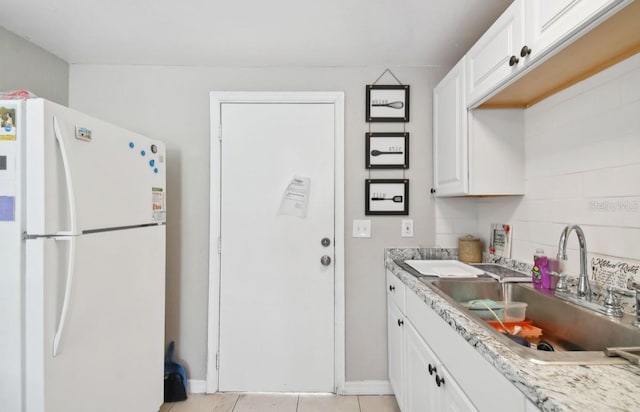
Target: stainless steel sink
{"x":578,"y":336}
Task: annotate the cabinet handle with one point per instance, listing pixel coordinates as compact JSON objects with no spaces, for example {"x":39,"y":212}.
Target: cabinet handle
{"x":400,"y":322}
{"x":513,"y":60}
{"x":439,"y":380}
{"x":433,"y":190}
{"x":525,"y":51}
{"x":432,"y":369}
{"x":392,"y":288}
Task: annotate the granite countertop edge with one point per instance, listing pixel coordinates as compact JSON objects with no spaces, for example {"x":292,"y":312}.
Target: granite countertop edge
{"x":550,"y":387}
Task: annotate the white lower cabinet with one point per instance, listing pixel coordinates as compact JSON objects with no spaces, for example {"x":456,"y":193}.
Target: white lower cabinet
{"x":395,"y":345}
{"x":424,"y":350}
{"x":429,"y":386}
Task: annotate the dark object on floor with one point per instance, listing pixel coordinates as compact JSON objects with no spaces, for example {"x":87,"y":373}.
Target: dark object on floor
{"x":175,"y":378}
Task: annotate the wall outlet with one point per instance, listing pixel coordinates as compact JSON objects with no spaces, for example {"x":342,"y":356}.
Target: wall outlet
{"x":407,"y":227}
{"x":361,"y":228}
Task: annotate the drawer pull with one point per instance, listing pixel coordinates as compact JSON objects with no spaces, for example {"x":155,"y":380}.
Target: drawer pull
{"x":439,"y":380}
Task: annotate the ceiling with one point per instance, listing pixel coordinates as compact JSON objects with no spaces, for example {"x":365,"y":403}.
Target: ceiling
{"x":253,"y":33}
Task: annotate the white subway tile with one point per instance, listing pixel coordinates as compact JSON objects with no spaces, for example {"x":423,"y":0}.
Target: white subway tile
{"x":465,"y":226}
{"x":631,"y":148}
{"x":567,"y":186}
{"x":444,"y":226}
{"x":447,"y":240}
{"x":613,"y":182}
{"x":631,"y":213}
{"x":540,"y":210}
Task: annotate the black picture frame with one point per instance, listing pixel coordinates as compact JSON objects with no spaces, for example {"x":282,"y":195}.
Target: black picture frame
{"x":387,"y":103}
{"x":386,"y":151}
{"x":386,"y":197}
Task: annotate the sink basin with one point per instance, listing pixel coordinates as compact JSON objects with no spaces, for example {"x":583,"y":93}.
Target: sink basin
{"x":577,"y":335}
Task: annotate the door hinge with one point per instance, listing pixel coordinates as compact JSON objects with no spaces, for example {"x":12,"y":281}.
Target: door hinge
{"x":220,"y":133}
{"x":219,"y":245}
{"x":217,"y":360}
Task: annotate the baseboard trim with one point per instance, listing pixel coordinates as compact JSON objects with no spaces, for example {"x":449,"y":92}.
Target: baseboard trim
{"x":367,"y":388}
{"x":196,"y":386}
{"x":350,"y":388}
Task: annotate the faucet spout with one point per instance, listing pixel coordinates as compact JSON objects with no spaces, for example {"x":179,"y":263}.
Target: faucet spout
{"x":584,"y":288}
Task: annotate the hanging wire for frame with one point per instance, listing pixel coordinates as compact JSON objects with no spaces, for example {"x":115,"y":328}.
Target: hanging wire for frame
{"x":391,"y":73}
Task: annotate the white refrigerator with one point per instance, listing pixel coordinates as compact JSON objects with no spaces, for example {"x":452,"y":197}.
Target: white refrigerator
{"x":82,"y":263}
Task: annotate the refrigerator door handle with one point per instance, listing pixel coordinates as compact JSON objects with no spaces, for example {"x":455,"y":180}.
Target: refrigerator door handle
{"x":71,"y":197}
{"x":67,"y":292}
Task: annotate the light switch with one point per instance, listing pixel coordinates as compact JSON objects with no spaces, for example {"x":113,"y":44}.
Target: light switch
{"x":361,"y":228}
{"x":407,"y":227}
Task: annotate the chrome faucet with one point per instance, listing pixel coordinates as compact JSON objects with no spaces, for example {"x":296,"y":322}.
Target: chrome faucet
{"x":584,"y":288}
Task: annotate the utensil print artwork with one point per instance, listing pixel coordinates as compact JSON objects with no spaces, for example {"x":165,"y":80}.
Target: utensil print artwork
{"x":381,"y":152}
{"x":397,"y":199}
{"x":383,"y":103}
{"x":388,"y":150}
{"x":386,"y":197}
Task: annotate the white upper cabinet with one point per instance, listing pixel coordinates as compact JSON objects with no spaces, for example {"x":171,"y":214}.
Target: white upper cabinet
{"x":526,"y":34}
{"x":496,"y":55}
{"x":549,"y":23}
{"x":472,"y":150}
{"x":450,"y":154}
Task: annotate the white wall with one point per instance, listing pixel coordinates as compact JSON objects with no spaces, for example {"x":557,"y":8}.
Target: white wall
{"x":172,"y":104}
{"x":582,"y":165}
{"x":25,"y":66}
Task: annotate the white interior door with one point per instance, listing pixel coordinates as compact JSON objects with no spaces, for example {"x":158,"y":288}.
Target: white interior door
{"x":276,"y":329}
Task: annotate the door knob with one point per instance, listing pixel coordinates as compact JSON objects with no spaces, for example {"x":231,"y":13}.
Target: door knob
{"x":325,"y":260}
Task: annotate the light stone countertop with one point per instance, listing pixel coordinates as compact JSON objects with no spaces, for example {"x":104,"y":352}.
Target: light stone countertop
{"x":549,"y":387}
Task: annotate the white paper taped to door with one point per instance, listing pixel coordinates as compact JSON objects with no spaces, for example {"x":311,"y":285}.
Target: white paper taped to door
{"x":296,"y":197}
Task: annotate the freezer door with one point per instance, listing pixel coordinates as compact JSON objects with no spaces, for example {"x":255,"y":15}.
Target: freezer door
{"x":86,"y":174}
{"x":110,"y":355}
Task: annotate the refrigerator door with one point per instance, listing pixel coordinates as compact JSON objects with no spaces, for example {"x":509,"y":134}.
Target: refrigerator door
{"x":110,"y":355}
{"x":11,"y":229}
{"x":85,"y":174}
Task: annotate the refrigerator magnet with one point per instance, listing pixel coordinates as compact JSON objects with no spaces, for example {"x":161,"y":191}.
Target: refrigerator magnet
{"x":8,"y":123}
{"x":7,"y":209}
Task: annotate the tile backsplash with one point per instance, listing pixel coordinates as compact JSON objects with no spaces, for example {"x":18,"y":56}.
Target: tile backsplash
{"x":582,"y":165}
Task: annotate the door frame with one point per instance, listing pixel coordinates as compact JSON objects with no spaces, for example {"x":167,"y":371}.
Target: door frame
{"x":213,"y":322}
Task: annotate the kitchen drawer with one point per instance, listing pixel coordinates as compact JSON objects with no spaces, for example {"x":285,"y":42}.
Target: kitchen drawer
{"x":395,"y":291}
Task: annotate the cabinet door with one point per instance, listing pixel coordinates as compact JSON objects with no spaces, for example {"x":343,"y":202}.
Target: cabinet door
{"x":454,"y":399}
{"x":551,"y":22}
{"x":395,"y":351}
{"x":488,"y":61}
{"x":422,"y":393}
{"x":450,"y":154}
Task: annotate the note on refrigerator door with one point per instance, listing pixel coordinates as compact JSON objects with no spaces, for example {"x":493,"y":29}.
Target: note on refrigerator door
{"x":295,"y":199}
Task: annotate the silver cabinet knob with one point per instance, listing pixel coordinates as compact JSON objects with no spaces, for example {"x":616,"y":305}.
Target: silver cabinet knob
{"x":325,"y":241}
{"x":325,"y":260}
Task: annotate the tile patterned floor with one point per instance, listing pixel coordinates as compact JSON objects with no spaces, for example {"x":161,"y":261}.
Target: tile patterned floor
{"x":258,"y":402}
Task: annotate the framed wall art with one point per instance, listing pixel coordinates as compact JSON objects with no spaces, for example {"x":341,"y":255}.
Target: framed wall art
{"x":500,"y":240}
{"x":386,"y":197}
{"x":387,"y":150}
{"x":387,"y":103}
